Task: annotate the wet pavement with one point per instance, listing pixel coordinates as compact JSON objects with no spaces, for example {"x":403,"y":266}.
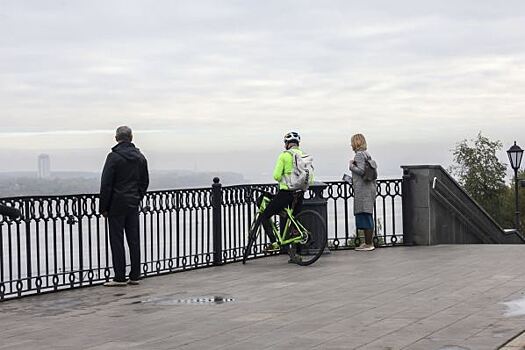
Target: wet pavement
{"x":463,"y":297}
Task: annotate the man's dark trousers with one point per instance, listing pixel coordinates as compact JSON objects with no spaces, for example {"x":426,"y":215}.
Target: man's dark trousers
{"x":128,"y":223}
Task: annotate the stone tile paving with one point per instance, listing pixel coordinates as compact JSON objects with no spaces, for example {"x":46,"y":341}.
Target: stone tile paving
{"x":442,"y":298}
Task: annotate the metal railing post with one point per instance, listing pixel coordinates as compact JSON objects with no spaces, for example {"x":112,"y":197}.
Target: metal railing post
{"x":80,"y":240}
{"x":216,"y":192}
{"x":29,"y":257}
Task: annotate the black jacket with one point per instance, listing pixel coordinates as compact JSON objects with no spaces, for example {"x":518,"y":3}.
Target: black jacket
{"x":124,"y":181}
{"x":13,"y":213}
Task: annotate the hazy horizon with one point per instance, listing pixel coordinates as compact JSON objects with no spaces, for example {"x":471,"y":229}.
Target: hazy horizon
{"x":255,"y":165}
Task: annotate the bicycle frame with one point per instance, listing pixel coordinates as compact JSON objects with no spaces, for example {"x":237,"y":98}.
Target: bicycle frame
{"x":305,"y":246}
{"x":290,"y":219}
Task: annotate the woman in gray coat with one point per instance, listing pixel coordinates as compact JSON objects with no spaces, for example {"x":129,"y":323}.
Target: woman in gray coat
{"x":364,"y":192}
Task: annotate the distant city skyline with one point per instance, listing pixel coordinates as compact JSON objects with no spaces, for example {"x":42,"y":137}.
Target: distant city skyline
{"x":203,"y":81}
{"x":44,"y":166}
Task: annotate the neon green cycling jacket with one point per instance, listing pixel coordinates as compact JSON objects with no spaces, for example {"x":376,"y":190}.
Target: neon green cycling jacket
{"x":284,"y":166}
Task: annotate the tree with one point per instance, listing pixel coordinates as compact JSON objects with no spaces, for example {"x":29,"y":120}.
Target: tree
{"x":482,"y":175}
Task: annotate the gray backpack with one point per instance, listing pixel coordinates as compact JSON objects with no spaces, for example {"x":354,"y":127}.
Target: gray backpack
{"x":302,"y":175}
{"x":370,"y":169}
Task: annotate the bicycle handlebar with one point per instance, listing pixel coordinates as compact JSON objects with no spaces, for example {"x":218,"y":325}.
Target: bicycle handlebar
{"x":261,"y":191}
{"x":296,"y":193}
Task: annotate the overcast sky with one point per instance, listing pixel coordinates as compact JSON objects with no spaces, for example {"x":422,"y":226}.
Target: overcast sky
{"x":201,"y":77}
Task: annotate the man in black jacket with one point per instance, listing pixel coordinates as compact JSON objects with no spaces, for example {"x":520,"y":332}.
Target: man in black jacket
{"x":124,"y":183}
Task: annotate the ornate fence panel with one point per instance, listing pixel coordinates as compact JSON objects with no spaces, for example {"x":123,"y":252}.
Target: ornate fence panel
{"x":62,"y":241}
{"x":387,"y":214}
{"x":238,"y":212}
{"x":176,"y":230}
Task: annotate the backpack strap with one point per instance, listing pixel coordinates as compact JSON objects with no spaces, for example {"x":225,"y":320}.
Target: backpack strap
{"x":367,"y":155}
{"x":292,"y":152}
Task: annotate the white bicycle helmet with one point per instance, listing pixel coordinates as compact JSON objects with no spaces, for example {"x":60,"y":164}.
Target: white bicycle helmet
{"x":292,"y":136}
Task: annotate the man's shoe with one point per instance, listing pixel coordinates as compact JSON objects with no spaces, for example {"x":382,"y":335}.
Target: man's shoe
{"x":365,"y":248}
{"x":133,"y":282}
{"x":272,"y":247}
{"x":115,"y":284}
{"x":361,"y":247}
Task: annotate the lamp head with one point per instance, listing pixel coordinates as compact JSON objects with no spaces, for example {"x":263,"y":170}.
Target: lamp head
{"x":515,"y":154}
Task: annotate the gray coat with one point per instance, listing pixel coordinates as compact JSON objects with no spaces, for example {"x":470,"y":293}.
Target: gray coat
{"x":364,"y":191}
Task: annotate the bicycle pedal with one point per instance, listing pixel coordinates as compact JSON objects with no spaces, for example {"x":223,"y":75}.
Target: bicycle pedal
{"x":272,"y":248}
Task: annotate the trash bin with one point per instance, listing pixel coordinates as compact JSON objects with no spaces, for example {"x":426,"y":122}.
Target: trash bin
{"x":316,"y":202}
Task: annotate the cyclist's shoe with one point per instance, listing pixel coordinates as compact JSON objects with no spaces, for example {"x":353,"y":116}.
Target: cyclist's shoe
{"x":272,"y":247}
{"x":294,"y":260}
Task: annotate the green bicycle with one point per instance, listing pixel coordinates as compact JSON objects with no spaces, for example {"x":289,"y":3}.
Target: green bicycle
{"x":304,"y":246}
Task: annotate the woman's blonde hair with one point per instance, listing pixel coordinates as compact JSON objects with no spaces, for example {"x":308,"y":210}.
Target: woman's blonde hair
{"x":358,"y":142}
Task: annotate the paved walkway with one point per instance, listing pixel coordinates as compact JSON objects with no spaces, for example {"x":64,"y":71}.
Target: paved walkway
{"x":443,"y":297}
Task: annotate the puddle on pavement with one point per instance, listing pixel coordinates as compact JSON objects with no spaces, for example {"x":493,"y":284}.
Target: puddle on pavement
{"x":201,"y":300}
{"x":515,"y":307}
{"x":54,"y":306}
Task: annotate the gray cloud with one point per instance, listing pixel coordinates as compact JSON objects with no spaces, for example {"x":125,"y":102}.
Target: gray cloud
{"x":231,"y":73}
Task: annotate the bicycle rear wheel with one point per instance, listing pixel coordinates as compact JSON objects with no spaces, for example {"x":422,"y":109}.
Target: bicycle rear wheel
{"x":307,"y":252}
{"x":252,"y":238}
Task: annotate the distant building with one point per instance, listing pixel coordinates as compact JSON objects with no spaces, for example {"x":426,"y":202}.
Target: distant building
{"x":44,"y":166}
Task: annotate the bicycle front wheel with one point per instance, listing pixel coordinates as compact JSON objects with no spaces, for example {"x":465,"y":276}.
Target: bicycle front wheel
{"x":313,"y":227}
{"x":252,"y":238}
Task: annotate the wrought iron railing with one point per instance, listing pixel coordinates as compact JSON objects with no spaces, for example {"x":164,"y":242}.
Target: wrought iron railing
{"x":387,"y":213}
{"x":62,"y":241}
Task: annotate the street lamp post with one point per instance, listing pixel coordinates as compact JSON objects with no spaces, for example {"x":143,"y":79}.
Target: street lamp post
{"x":515,"y":154}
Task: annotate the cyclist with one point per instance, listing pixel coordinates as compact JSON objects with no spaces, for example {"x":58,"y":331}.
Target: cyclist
{"x":284,"y":197}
